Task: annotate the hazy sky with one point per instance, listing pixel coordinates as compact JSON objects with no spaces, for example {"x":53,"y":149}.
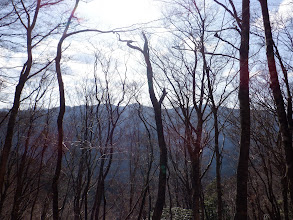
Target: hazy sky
{"x":117,"y":13}
{"x":109,"y":14}
{"x":127,"y":12}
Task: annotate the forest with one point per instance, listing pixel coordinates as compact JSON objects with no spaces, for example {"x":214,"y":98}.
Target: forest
{"x":186,"y":117}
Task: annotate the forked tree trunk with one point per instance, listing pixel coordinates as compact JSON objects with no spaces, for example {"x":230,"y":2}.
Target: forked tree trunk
{"x":278,"y":97}
{"x":159,"y":127}
{"x":242,"y":169}
{"x":160,"y":133}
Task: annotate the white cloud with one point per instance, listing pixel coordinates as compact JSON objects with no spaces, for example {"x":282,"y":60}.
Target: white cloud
{"x":281,"y":16}
{"x":117,"y":13}
{"x":285,"y":10}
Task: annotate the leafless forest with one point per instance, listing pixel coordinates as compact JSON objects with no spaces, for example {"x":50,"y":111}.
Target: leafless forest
{"x":184,"y":117}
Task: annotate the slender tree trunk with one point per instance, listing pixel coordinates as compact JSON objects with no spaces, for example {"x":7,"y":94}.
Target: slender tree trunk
{"x":242,"y":169}
{"x":278,"y":97}
{"x":16,"y":103}
{"x":160,"y":202}
{"x":216,"y":140}
{"x":218,"y":168}
{"x":14,"y":111}
{"x":60,"y":133}
{"x":60,"y":116}
{"x":81,"y":170}
{"x":194,"y":147}
{"x":163,"y":168}
{"x":99,"y":194}
{"x":78,"y":187}
{"x":195,"y":185}
{"x":85,"y":192}
{"x":45,"y":146}
{"x":142,"y":206}
{"x":10,"y":130}
{"x":20,"y":175}
{"x":160,"y":133}
{"x":289,"y":99}
{"x":284,"y":183}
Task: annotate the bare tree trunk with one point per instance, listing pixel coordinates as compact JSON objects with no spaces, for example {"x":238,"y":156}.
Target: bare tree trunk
{"x":284,"y":183}
{"x":81,"y":179}
{"x":242,"y":169}
{"x":160,"y":133}
{"x":216,"y":139}
{"x":218,"y":168}
{"x":60,"y":117}
{"x":85,"y":192}
{"x":193,"y":147}
{"x":16,"y":103}
{"x":195,"y":185}
{"x":99,"y":193}
{"x":163,"y":168}
{"x":45,"y":133}
{"x":78,"y":187}
{"x":160,"y":202}
{"x":20,"y":173}
{"x":10,"y":129}
{"x":278,"y":97}
{"x":60,"y":133}
{"x":147,"y":187}
{"x":289,"y":98}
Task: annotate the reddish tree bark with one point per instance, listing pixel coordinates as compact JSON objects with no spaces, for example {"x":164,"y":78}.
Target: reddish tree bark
{"x":243,"y":95}
{"x":278,"y":97}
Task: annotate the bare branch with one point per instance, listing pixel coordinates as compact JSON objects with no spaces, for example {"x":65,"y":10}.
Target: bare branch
{"x":217,"y":36}
{"x":233,"y":14}
{"x":163,"y":96}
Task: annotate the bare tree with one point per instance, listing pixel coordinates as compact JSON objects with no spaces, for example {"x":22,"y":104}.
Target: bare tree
{"x":27,"y":15}
{"x":160,"y":202}
{"x":243,"y":96}
{"x":65,"y":35}
{"x":25,"y":163}
{"x":242,"y":169}
{"x":278,"y":97}
{"x":193,"y":75}
{"x":108,"y":114}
